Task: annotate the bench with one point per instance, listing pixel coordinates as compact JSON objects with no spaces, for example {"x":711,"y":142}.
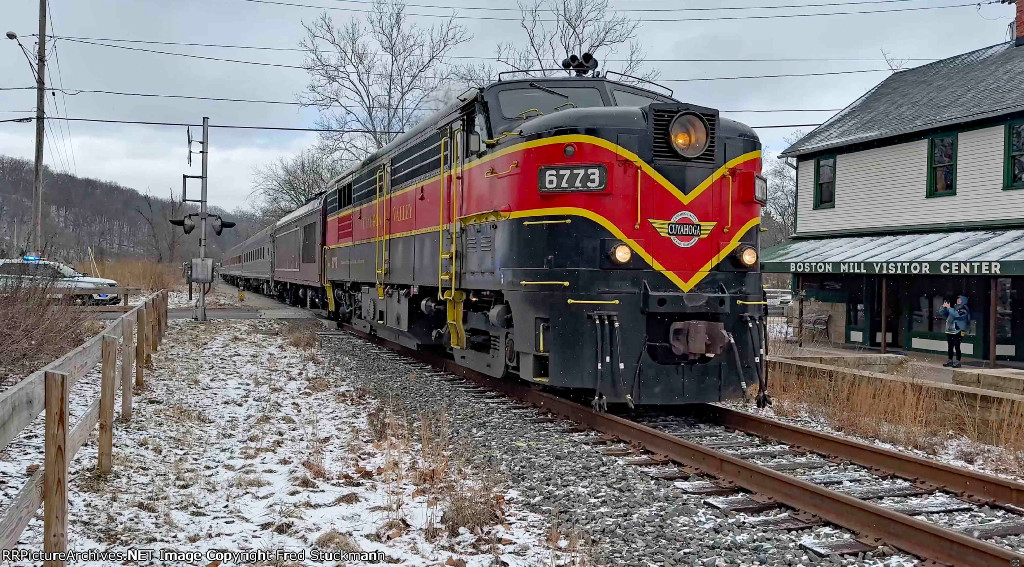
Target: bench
{"x":817,"y":323}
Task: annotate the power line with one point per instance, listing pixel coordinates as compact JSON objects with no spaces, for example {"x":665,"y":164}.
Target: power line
{"x":282,"y":128}
{"x":630,"y":10}
{"x":60,"y":78}
{"x":484,"y":58}
{"x":653,"y":20}
{"x":52,"y":139}
{"x":687,"y":80}
{"x":60,"y":130}
{"x":74,"y":92}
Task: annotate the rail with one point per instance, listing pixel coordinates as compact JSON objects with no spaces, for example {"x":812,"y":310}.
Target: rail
{"x":871,"y":521}
{"x":47,"y":390}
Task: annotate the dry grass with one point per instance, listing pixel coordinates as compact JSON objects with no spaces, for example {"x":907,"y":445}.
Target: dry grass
{"x":472,"y":506}
{"x":333,"y":539}
{"x":130,"y":272}
{"x":302,"y":334}
{"x":35,"y":330}
{"x":907,"y":413}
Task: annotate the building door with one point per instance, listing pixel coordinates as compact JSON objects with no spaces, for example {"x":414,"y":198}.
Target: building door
{"x":927,"y":325}
{"x":892,"y":310}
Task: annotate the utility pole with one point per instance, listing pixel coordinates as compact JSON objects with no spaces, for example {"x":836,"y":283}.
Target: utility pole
{"x":201,"y":315}
{"x":201,"y":269}
{"x":37,"y":191}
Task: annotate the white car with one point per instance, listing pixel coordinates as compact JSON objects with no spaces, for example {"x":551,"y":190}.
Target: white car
{"x":35,"y":270}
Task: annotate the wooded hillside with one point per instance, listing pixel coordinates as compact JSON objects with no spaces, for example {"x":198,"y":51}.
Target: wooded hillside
{"x":113,"y":219}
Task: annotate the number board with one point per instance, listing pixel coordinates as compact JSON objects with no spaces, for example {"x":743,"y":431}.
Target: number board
{"x":573,"y":178}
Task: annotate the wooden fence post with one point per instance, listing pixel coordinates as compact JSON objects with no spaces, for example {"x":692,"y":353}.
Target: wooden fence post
{"x":140,"y":347}
{"x":154,"y":325}
{"x":107,"y":386}
{"x":163,"y":314}
{"x":127,"y":348}
{"x":55,"y":467}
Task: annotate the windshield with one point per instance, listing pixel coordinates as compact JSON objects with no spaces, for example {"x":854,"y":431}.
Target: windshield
{"x":66,"y":271}
{"x":546,"y":99}
{"x":632,"y":98}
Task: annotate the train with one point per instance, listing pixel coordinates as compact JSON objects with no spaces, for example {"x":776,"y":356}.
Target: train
{"x":576,"y":232}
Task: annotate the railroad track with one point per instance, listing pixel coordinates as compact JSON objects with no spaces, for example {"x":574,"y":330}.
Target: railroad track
{"x":757,"y":464}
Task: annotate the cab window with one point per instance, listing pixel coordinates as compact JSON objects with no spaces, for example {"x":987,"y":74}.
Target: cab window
{"x":546,"y":99}
{"x":630,"y":98}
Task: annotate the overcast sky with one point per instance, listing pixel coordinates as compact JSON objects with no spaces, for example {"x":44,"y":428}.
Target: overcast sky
{"x":153,"y":158}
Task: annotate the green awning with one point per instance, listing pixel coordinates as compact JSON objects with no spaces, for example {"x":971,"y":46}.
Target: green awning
{"x":977,"y":252}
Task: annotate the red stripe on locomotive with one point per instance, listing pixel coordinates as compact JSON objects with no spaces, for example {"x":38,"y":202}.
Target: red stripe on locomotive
{"x":498,"y":185}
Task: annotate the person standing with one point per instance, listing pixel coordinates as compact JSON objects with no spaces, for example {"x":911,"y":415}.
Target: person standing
{"x":957,"y":318}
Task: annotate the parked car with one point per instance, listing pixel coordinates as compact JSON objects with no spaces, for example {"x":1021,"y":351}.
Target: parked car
{"x":33,"y":270}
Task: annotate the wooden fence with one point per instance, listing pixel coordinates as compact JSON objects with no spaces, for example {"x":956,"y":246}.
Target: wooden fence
{"x":48,"y":389}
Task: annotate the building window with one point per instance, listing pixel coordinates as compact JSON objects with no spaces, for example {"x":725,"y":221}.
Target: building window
{"x":1004,"y":311}
{"x":825,"y":182}
{"x":1014,"y":176}
{"x":942,"y":165}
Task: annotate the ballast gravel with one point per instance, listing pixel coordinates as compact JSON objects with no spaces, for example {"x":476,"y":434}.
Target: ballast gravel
{"x":633,"y":518}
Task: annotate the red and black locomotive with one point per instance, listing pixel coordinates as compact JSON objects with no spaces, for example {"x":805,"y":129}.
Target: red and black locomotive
{"x":575,"y":232}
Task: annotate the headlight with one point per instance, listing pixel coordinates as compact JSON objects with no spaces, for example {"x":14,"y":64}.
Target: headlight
{"x":688,"y":134}
{"x":621,"y":253}
{"x":748,"y":256}
{"x":760,"y":189}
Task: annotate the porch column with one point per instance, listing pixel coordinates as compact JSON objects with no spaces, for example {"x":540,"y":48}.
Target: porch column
{"x":992,"y":324}
{"x":885,"y":313}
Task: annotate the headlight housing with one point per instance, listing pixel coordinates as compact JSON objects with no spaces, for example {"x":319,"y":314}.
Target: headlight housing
{"x":621,"y":253}
{"x":688,"y":135}
{"x":747,"y":256}
{"x":760,"y":189}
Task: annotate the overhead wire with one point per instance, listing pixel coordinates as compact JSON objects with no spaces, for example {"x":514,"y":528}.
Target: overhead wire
{"x":63,"y":147}
{"x":631,"y":10}
{"x":652,"y":20}
{"x":60,"y":78}
{"x":283,"y":128}
{"x":485,"y":58}
{"x":75,"y":92}
{"x":267,"y":64}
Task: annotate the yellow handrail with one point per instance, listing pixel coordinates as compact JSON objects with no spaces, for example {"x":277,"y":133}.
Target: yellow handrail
{"x":594,"y":301}
{"x":525,"y":282}
{"x":491,"y":173}
{"x":533,"y":222}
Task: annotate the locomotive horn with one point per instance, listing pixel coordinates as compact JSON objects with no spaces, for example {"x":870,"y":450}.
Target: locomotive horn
{"x":590,"y":61}
{"x":566,"y":64}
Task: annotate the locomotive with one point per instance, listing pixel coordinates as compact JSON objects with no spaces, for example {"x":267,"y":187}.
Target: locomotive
{"x":576,"y":232}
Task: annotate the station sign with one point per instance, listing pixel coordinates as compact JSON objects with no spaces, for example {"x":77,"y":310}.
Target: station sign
{"x":939,"y":268}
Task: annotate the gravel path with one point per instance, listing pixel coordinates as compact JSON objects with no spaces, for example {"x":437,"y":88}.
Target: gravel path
{"x":633,"y":518}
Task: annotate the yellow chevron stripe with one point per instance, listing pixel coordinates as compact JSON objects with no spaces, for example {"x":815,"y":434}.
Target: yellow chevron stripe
{"x":583,"y":139}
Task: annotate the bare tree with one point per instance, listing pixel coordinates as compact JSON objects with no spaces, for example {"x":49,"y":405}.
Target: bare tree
{"x":288,"y":183}
{"x":779,"y":216}
{"x":156,"y":214}
{"x":555,"y":29}
{"x":375,"y":76}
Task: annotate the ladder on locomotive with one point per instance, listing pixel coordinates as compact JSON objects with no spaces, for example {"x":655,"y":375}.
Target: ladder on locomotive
{"x":448,"y":235}
{"x":381,"y":216}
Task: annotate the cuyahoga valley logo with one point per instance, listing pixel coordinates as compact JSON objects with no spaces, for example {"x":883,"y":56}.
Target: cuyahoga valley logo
{"x":684,"y":229}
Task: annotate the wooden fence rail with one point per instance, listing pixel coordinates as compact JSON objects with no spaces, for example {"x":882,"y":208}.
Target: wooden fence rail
{"x":48,"y":389}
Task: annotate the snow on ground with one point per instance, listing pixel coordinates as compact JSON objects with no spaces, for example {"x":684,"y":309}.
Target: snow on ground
{"x":957,"y":450}
{"x":240,"y":441}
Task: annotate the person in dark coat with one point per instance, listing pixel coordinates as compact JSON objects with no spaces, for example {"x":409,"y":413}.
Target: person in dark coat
{"x":957,"y":319}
